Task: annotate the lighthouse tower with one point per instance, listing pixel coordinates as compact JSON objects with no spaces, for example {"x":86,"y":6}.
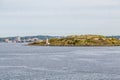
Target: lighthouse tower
{"x":47,"y":41}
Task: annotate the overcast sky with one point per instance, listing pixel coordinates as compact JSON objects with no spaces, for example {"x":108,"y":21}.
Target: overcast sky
{"x":59,"y":17}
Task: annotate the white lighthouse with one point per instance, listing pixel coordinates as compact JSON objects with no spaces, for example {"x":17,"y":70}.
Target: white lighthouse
{"x":47,"y":41}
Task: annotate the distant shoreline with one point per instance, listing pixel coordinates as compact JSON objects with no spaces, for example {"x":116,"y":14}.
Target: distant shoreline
{"x":74,"y":46}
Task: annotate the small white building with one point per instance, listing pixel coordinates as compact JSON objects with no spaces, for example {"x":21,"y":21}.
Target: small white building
{"x":18,"y":39}
{"x":7,"y":40}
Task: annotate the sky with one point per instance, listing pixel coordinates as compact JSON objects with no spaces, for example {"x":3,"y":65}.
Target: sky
{"x":59,"y":17}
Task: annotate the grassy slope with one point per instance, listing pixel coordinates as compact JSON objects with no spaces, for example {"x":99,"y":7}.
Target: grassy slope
{"x":81,"y":40}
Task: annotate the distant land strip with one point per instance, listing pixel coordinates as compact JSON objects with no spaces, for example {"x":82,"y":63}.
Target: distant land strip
{"x":79,"y":40}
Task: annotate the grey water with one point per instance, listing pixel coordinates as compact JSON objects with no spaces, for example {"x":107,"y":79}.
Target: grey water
{"x":20,"y":62}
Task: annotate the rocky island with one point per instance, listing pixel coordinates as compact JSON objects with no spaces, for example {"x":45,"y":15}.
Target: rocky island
{"x":79,"y":40}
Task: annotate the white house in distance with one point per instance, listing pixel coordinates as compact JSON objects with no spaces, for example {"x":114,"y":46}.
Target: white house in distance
{"x":7,"y":40}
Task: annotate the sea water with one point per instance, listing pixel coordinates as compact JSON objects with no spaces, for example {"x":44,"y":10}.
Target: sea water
{"x":21,"y":62}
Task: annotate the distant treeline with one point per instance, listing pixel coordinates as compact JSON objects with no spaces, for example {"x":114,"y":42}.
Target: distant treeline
{"x":118,"y":37}
{"x":42,"y":37}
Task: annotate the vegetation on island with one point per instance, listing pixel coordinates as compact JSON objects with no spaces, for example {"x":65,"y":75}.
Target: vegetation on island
{"x":80,"y":40}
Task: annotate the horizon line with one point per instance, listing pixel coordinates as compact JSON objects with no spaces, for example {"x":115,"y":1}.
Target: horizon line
{"x":54,"y":35}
